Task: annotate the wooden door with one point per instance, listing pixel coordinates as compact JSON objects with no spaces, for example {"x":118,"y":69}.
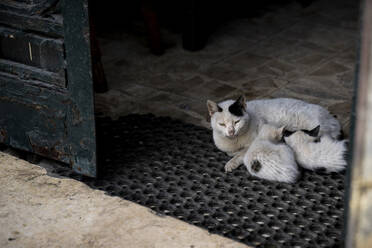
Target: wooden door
{"x":46,"y":87}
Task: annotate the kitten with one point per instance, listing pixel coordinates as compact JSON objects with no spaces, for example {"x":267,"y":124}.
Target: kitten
{"x":295,"y":115}
{"x":271,"y":159}
{"x":235,"y":124}
{"x":234,"y":129}
{"x":314,"y":152}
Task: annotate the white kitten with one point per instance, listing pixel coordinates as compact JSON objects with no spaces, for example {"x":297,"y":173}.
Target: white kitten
{"x":269,"y":159}
{"x":313,"y":152}
{"x":295,"y":115}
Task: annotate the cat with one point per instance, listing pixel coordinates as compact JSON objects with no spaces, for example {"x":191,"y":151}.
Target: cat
{"x":295,"y":115}
{"x":269,"y":158}
{"x":275,"y":152}
{"x":235,"y":124}
{"x":234,"y":129}
{"x":315,"y":152}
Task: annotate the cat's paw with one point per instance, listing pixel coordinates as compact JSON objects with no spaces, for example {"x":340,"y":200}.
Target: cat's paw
{"x":230,"y":166}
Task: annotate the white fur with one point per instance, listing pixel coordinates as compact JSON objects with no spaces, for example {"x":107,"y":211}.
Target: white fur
{"x":327,"y":153}
{"x":232,"y":134}
{"x":244,"y":131}
{"x":277,"y":159}
{"x":236,"y":134}
{"x":295,"y":115}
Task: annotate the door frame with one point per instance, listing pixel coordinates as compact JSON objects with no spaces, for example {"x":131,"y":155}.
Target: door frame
{"x":80,"y":83}
{"x":358,"y":195}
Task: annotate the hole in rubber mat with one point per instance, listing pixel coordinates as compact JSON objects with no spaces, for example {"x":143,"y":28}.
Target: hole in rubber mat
{"x":175,"y":169}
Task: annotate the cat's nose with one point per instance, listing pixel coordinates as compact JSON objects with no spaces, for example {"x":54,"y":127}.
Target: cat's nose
{"x":231,"y":132}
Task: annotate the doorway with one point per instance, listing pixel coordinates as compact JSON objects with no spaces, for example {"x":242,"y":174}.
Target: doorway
{"x":287,"y":49}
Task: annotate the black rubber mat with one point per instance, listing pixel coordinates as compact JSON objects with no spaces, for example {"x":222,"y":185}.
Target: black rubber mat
{"x":175,"y":169}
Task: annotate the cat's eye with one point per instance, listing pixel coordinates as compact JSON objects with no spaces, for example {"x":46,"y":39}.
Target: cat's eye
{"x":236,"y":122}
{"x":222,"y":124}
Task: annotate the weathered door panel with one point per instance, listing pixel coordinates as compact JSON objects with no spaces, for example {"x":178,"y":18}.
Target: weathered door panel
{"x":31,"y":55}
{"x":46,"y":88}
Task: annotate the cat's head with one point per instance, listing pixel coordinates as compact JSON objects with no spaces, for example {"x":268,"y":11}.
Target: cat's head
{"x":271,"y":133}
{"x":301,"y":136}
{"x":229,"y":118}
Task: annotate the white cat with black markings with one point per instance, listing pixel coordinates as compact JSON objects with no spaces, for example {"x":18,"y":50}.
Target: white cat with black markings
{"x":236,"y":124}
{"x":234,"y":129}
{"x":269,"y":158}
{"x":314,"y":152}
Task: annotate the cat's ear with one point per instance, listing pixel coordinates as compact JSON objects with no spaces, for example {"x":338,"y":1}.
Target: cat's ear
{"x":279,"y":132}
{"x":238,"y":107}
{"x":313,"y":132}
{"x":213,"y":107}
{"x":242,"y":102}
{"x":286,"y":133}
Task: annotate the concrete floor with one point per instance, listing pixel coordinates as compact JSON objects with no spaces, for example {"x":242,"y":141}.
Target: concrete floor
{"x":290,"y":51}
{"x":39,"y":209}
